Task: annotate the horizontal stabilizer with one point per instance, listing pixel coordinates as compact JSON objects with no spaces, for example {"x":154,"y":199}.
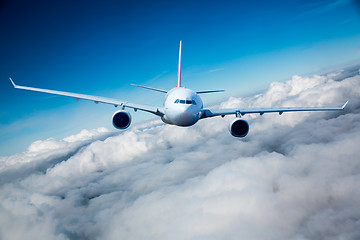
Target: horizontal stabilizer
{"x":154,"y":89}
{"x":211,"y":91}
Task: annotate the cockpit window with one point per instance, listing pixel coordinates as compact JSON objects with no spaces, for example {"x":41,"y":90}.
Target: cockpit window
{"x":185,"y":101}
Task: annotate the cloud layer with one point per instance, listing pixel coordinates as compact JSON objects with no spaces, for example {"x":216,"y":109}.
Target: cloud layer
{"x":295,"y":176}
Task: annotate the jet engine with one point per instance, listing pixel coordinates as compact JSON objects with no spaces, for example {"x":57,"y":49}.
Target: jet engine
{"x":239,"y":127}
{"x":121,"y":119}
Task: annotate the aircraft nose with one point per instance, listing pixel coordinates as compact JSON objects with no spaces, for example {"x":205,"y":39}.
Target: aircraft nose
{"x":187,"y":118}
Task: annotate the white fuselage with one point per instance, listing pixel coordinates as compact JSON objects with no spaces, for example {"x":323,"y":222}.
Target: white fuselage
{"x":182,"y":107}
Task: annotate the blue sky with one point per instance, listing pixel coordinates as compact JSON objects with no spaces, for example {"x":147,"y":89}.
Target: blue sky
{"x":99,"y":48}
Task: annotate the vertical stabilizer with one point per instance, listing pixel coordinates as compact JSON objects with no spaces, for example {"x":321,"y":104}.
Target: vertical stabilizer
{"x":178,"y":83}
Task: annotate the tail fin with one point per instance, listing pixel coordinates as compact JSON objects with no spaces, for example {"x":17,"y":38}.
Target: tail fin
{"x":178,"y":84}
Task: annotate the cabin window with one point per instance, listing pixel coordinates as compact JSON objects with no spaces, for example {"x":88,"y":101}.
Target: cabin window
{"x":176,"y":101}
{"x":188,"y":101}
{"x":182,"y":101}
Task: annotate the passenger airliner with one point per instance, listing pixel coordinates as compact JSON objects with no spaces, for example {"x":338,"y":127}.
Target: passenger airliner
{"x":182,"y":107}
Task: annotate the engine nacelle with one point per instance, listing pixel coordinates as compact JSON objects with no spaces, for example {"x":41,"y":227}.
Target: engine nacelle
{"x":121,"y":119}
{"x":239,"y":127}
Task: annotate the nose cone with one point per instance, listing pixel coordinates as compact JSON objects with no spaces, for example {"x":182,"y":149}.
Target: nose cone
{"x":183,"y":116}
{"x":187,"y":118}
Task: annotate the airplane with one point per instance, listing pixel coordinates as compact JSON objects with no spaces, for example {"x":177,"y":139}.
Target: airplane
{"x":182,"y":107}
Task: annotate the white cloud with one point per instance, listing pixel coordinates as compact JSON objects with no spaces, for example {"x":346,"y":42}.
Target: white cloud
{"x":295,"y":176}
{"x":44,"y":154}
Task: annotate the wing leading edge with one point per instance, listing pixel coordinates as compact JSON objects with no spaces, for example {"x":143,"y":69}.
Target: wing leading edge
{"x":222,"y":112}
{"x":96,"y":99}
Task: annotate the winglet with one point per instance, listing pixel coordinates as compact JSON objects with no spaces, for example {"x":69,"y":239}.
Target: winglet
{"x":12,"y":82}
{"x":178,"y":83}
{"x":343,"y":106}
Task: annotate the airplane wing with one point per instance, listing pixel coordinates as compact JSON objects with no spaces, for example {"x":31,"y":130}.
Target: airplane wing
{"x":222,"y":112}
{"x":96,"y":99}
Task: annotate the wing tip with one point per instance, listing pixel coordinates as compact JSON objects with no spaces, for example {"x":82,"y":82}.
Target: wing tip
{"x":12,"y":82}
{"x":343,"y":106}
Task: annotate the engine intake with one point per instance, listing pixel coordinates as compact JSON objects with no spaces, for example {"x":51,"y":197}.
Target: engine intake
{"x":121,"y":119}
{"x":239,"y":127}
